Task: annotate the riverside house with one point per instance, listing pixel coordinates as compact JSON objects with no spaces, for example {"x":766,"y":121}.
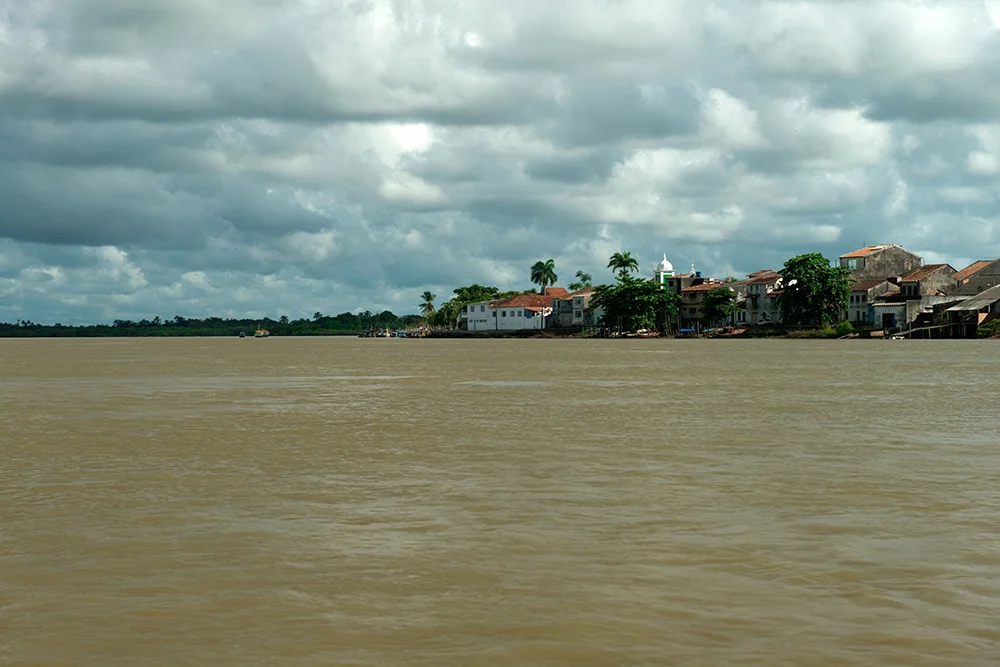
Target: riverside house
{"x":886,"y":261}
{"x":521,"y":311}
{"x":758,"y":307}
{"x":976,"y":310}
{"x":573,"y":310}
{"x":863,"y":294}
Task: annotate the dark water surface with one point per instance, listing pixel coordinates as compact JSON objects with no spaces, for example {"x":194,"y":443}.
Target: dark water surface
{"x":425,"y":503}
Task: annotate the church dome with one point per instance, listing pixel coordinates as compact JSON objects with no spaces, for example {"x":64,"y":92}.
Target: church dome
{"x":665,"y":266}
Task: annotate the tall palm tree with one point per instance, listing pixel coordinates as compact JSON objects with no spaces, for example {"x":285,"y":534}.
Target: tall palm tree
{"x":427,"y":307}
{"x":624,"y":263}
{"x":583,"y":279}
{"x":544,"y":274}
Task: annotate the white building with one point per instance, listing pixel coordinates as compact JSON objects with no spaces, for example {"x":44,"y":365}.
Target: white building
{"x":760,"y":305}
{"x":521,"y":311}
{"x":663,"y":271}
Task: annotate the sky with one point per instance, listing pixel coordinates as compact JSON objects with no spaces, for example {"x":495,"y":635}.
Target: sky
{"x":281,"y":157}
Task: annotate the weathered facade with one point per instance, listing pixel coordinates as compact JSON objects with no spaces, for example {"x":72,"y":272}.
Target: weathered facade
{"x":756,"y":308}
{"x":880,"y":262}
{"x":928,"y":280}
{"x":966,"y":274}
{"x":976,"y":310}
{"x":863,"y":294}
{"x":573,"y":309}
{"x":987,"y":275}
{"x":691,"y":299}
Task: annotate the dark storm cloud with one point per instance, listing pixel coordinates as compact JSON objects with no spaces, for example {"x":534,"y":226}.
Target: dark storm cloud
{"x":265,"y":156}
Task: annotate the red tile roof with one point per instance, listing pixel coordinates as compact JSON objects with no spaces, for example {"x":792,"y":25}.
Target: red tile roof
{"x":919,"y":274}
{"x":586,"y":291}
{"x":704,"y":287}
{"x":523,"y":301}
{"x":761,"y":273}
{"x":765,"y":279}
{"x":557,"y":292}
{"x":864,"y":252}
{"x":972,"y":269}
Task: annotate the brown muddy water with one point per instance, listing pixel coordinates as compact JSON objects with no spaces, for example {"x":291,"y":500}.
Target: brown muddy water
{"x":502,"y":502}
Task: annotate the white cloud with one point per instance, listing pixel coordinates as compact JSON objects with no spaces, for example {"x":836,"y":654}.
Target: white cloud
{"x":981,"y":162}
{"x":297,"y":156}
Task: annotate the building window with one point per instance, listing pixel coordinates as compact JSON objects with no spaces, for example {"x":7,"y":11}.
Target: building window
{"x":482,"y":309}
{"x":503,"y":313}
{"x":852,"y":263}
{"x":494,"y":313}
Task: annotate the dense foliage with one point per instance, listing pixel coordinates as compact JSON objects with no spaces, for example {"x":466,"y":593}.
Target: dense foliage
{"x":319,"y":325}
{"x":815,"y":293}
{"x":989,"y":330}
{"x":719,"y":305}
{"x":449,"y":313}
{"x":631,"y":304}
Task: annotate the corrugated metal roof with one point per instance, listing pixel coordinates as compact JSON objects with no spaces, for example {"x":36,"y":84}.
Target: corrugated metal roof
{"x":982,"y":300}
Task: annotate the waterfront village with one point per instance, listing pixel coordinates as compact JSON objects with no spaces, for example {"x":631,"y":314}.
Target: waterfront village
{"x":892,"y":294}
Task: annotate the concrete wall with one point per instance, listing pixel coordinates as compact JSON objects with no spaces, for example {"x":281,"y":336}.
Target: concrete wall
{"x":479,"y":317}
{"x":988,"y":277}
{"x":940,"y":280}
{"x":892,"y":262}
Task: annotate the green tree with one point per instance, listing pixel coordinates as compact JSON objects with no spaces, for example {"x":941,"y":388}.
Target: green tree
{"x":543,"y":274}
{"x":427,"y":307}
{"x":718,"y":305}
{"x":624,"y":263}
{"x":815,"y":293}
{"x":634,"y":303}
{"x":449,"y":314}
{"x":583,"y":279}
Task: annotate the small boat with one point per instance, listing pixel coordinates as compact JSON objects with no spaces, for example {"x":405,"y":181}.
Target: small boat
{"x":242,"y":335}
{"x":261,"y":333}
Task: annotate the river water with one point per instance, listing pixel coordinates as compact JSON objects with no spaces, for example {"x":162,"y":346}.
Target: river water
{"x":499,"y":502}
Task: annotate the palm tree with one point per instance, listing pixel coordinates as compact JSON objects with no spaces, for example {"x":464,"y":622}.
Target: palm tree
{"x":624,"y":263}
{"x":427,"y":307}
{"x":544,"y":274}
{"x":583,"y":279}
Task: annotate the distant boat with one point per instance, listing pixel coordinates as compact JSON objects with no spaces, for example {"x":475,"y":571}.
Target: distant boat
{"x":261,"y":333}
{"x":242,"y":335}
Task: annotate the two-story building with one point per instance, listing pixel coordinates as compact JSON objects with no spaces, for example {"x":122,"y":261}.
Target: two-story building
{"x":573,"y":310}
{"x":691,"y":299}
{"x":756,"y":309}
{"x":521,"y":311}
{"x":978,"y":277}
{"x":863,"y":295}
{"x":887,"y":261}
{"x":928,"y":280}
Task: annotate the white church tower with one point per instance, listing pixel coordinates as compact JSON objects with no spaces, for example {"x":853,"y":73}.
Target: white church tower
{"x":663,"y":271}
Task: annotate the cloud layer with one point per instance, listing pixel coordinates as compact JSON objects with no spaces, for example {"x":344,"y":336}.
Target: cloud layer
{"x":268,"y":157}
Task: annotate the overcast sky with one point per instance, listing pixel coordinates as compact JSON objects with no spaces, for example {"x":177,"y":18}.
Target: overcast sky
{"x":269,"y":157}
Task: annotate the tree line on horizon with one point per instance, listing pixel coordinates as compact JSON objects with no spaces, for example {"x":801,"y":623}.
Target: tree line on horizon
{"x":319,"y":325}
{"x":815,"y":294}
